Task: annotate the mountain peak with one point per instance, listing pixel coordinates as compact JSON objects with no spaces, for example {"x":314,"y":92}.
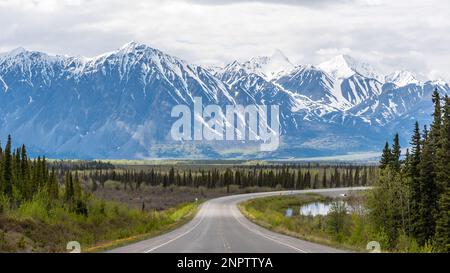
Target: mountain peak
{"x":14,"y":52}
{"x":344,"y":66}
{"x":133,"y":46}
{"x":339,"y":67}
{"x":269,"y":67}
{"x":401,"y":78}
{"x":17,"y":50}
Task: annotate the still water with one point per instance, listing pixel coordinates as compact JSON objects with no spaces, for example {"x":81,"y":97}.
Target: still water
{"x":319,"y":208}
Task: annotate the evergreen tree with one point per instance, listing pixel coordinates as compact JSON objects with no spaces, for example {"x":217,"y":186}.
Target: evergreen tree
{"x":7,"y":169}
{"x":24,"y":173}
{"x":52,"y":186}
{"x":442,"y":237}
{"x":427,"y":202}
{"x":337,"y":178}
{"x":68,"y":188}
{"x":356,"y":180}
{"x":414,"y":187}
{"x":407,"y":162}
{"x":1,"y":169}
{"x":324,"y":179}
{"x":435,"y":129}
{"x":364,"y":177}
{"x":76,"y":187}
{"x":442,"y":162}
{"x":442,"y":168}
{"x":396,"y":153}
{"x":386,"y":157}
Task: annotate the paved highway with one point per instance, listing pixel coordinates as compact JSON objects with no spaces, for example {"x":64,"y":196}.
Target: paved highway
{"x":220,"y":227}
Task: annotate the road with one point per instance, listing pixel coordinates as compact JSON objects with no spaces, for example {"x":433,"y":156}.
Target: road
{"x":219,"y":227}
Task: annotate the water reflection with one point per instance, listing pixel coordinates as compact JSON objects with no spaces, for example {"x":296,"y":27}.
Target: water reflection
{"x":323,"y":208}
{"x":314,"y":209}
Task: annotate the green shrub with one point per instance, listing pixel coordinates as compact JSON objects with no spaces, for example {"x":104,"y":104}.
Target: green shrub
{"x":336,"y":220}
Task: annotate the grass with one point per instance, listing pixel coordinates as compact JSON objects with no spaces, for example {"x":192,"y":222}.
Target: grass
{"x":339,"y":228}
{"x":37,"y":226}
{"x":269,"y":212}
{"x":179,"y":216}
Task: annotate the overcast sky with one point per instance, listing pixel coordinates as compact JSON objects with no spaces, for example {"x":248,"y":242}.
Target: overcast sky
{"x":408,"y":34}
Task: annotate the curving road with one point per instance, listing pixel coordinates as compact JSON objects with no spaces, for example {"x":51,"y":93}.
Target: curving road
{"x":220,"y":227}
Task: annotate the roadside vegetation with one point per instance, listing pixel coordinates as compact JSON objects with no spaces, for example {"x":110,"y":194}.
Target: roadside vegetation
{"x":337,"y":229}
{"x":38,"y":227}
{"x":347,"y":225}
{"x":42,"y":210}
{"x":407,"y":211}
{"x":44,"y":204}
{"x":411,"y":200}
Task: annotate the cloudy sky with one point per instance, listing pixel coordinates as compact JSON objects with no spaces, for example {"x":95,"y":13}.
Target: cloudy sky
{"x":408,"y":34}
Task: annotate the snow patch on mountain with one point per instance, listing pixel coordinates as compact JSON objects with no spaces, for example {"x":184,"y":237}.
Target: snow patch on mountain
{"x":269,"y":67}
{"x":13,"y":52}
{"x":3,"y":85}
{"x":401,"y":78}
{"x":315,"y":84}
{"x":344,"y":66}
{"x":118,"y":104}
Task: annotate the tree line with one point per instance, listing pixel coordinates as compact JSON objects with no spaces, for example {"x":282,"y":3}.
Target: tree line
{"x":412,"y":197}
{"x":22,"y":178}
{"x":79,"y":165}
{"x":286,"y":177}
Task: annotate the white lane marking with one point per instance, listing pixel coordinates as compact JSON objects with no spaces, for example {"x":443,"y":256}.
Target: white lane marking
{"x":254,"y":196}
{"x":225,"y":243}
{"x":265,"y":236}
{"x":181,"y":235}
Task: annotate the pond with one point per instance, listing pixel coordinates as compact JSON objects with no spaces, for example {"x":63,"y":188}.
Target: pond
{"x":320,"y":208}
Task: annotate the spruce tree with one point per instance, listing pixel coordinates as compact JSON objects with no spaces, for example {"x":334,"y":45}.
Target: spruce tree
{"x":76,"y":187}
{"x":386,"y":157}
{"x":414,"y":187}
{"x":442,"y":162}
{"x":427,"y":202}
{"x":396,"y":153}
{"x":24,"y":173}
{"x":407,"y":163}
{"x":442,"y":237}
{"x":7,"y":169}
{"x":324,"y":179}
{"x":337,"y":177}
{"x":52,"y":186}
{"x":435,"y":129}
{"x":300,"y":183}
{"x":364,"y":177}
{"x":69,"y":189}
{"x":356,"y":180}
{"x":1,"y":169}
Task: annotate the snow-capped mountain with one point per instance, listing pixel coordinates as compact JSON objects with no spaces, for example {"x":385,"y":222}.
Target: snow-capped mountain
{"x":118,"y":104}
{"x":114,"y":104}
{"x":344,"y":66}
{"x":401,"y":78}
{"x":315,"y":84}
{"x":266,"y":67}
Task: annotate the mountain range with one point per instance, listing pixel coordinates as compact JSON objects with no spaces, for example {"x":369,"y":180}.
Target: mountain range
{"x":118,"y":104}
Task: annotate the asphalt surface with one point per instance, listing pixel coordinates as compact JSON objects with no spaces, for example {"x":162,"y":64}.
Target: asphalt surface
{"x":219,"y":227}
